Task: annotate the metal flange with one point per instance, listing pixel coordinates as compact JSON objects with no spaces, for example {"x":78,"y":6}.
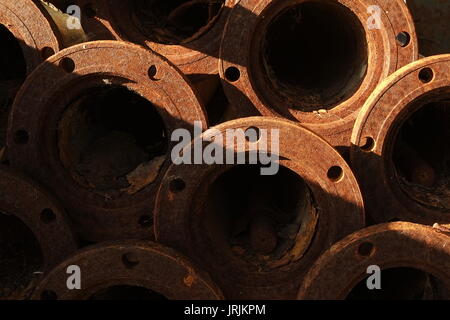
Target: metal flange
{"x":154,"y":25}
{"x":425,"y":251}
{"x":35,"y":235}
{"x":400,"y":148}
{"x":315,"y":62}
{"x":31,"y":25}
{"x":28,"y":37}
{"x":256,"y":235}
{"x":93,"y":123}
{"x":130,"y":270}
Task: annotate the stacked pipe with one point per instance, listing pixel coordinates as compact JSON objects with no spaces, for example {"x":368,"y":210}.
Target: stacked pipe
{"x":351,"y":97}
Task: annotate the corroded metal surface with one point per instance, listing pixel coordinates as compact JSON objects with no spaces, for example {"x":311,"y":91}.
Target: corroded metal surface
{"x":404,"y":175}
{"x":35,"y":234}
{"x":393,"y":245}
{"x":312,"y":57}
{"x":187,"y":214}
{"x":105,"y":177}
{"x":37,"y":38}
{"x":151,"y":24}
{"x":129,"y":270}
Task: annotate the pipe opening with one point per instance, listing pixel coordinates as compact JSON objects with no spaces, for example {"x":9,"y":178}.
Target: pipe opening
{"x":264,"y":221}
{"x":126,"y":292}
{"x":402,"y":284}
{"x":175,"y":21}
{"x":421,"y":154}
{"x":20,"y":257}
{"x":314,"y":54}
{"x":112,"y":140}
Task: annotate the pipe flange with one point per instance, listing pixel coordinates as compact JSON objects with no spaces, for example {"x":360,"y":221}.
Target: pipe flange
{"x":257,"y":235}
{"x":128,"y":270}
{"x":35,"y":235}
{"x":387,"y":246}
{"x":32,"y":26}
{"x":400,"y":150}
{"x":351,"y":46}
{"x":194,"y":54}
{"x":93,"y":123}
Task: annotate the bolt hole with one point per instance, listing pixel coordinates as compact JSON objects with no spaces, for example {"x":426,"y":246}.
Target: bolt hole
{"x":253,"y":134}
{"x":48,"y":216}
{"x":177,"y":185}
{"x":146,"y":221}
{"x":49,"y":295}
{"x":67,"y":64}
{"x":335,"y":173}
{"x":426,"y":75}
{"x":152,"y":72}
{"x":232,"y":74}
{"x":365,"y":249}
{"x":21,"y":137}
{"x":368,"y":145}
{"x":130,"y":260}
{"x":403,"y":38}
{"x":47,"y":52}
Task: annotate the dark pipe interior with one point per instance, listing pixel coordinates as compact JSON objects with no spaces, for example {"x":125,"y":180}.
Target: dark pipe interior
{"x":402,"y":284}
{"x":256,"y":216}
{"x":422,"y":151}
{"x":174,"y":21}
{"x":315,"y":54}
{"x":20,"y":256}
{"x":109,"y":132}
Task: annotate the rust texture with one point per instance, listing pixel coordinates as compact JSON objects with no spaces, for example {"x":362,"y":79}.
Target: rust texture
{"x":310,"y":207}
{"x":414,"y":259}
{"x":313,"y":152}
{"x":35,"y":234}
{"x":28,"y":37}
{"x":400,"y":151}
{"x":130,"y":270}
{"x":71,"y":118}
{"x":294,"y":59}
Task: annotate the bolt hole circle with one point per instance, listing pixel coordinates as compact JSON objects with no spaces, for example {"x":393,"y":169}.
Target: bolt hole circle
{"x":49,"y":295}
{"x":130,"y":260}
{"x":253,"y":134}
{"x":366,"y":249}
{"x":403,"y":39}
{"x":335,"y":174}
{"x":232,"y":74}
{"x":67,"y":64}
{"x":177,"y":185}
{"x":426,"y":75}
{"x":48,"y":216}
{"x":368,"y":144}
{"x":21,"y":137}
